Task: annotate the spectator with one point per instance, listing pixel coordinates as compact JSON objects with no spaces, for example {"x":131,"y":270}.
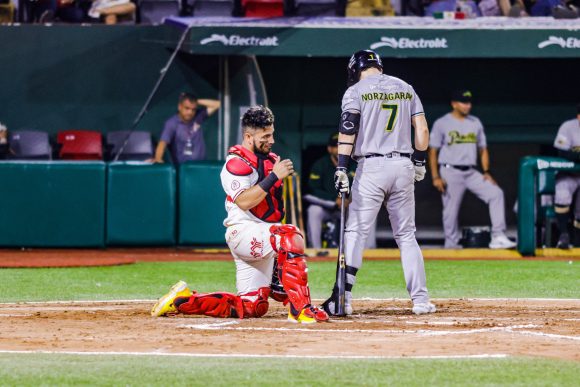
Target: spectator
{"x":324,"y":205}
{"x":183,"y":133}
{"x":3,"y":141}
{"x":455,"y":140}
{"x":567,"y":143}
{"x":112,"y":10}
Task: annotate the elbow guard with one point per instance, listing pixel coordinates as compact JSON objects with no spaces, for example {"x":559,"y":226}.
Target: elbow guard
{"x":349,"y":123}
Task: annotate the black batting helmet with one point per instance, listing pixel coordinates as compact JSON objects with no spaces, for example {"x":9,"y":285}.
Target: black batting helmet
{"x":359,"y":61}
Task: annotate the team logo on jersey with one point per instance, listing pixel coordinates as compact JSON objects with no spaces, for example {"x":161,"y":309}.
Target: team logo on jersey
{"x":569,"y":42}
{"x":257,"y":248}
{"x":407,"y":43}
{"x":456,"y":138}
{"x":235,"y":185}
{"x":237,"y":40}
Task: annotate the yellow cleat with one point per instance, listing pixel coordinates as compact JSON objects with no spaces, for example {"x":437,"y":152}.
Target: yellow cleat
{"x":304,"y":317}
{"x":165,"y":305}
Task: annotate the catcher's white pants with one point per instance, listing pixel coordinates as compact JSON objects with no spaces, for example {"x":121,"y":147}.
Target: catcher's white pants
{"x":253,"y":254}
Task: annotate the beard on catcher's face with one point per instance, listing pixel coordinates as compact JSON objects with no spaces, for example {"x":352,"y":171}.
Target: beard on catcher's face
{"x":262,"y":147}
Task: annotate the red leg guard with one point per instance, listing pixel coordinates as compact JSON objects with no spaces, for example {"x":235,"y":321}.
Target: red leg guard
{"x":253,"y":304}
{"x":212,"y":304}
{"x":292,"y":266}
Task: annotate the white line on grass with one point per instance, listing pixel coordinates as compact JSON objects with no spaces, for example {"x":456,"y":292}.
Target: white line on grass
{"x":251,"y":355}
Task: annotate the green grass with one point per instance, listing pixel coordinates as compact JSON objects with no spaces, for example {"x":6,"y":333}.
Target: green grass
{"x":69,"y":370}
{"x":380,"y":279}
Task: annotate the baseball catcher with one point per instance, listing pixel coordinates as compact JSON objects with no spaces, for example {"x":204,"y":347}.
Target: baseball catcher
{"x":269,"y":257}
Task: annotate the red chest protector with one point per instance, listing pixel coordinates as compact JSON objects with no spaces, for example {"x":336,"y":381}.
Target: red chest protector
{"x":271,"y":209}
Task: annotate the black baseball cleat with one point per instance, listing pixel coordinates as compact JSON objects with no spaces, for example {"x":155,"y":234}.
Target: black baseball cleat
{"x":329,"y":306}
{"x":564,"y":241}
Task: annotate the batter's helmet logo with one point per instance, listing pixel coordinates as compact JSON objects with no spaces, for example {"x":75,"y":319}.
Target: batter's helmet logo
{"x":560,"y":41}
{"x":407,"y":43}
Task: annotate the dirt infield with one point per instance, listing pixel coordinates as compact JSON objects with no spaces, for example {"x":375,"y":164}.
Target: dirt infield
{"x":379,"y":328}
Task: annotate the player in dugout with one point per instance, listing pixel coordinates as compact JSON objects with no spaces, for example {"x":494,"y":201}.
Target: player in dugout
{"x":567,"y":143}
{"x":269,"y":256}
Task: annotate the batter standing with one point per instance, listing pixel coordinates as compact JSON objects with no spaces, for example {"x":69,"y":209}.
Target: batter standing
{"x":456,"y":138}
{"x":568,"y":144}
{"x":377,"y":113}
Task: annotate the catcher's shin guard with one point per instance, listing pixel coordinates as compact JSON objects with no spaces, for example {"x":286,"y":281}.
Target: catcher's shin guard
{"x":254,"y":304}
{"x":277,"y":290}
{"x":287,"y":241}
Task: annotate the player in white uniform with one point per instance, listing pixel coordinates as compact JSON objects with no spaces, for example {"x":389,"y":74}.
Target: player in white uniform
{"x":269,"y":256}
{"x":568,"y":144}
{"x":377,"y":113}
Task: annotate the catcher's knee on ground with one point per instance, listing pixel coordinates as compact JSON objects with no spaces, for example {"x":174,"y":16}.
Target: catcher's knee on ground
{"x":254,"y":304}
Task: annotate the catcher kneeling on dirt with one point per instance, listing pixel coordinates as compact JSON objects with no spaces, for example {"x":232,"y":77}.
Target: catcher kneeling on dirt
{"x":269,"y":256}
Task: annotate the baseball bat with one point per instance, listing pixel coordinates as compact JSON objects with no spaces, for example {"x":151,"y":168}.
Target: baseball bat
{"x":299,"y":202}
{"x":341,"y":268}
{"x":292,"y":199}
{"x":285,"y":201}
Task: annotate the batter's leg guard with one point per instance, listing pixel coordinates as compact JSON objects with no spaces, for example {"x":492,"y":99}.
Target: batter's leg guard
{"x":254,"y":304}
{"x":330,"y":305}
{"x":288,"y":242}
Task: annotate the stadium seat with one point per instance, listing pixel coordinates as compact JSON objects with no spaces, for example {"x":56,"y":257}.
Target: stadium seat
{"x":29,"y":145}
{"x":155,"y":11}
{"x":80,"y":145}
{"x":315,"y":8}
{"x":263,"y":8}
{"x":139,"y":145}
{"x":213,"y":7}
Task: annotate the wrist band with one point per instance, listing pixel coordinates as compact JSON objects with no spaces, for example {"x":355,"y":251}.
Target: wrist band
{"x":418,"y":158}
{"x":268,"y":182}
{"x":343,"y":161}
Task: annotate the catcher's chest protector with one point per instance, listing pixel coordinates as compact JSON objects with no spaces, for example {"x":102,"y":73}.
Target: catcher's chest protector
{"x":271,"y":209}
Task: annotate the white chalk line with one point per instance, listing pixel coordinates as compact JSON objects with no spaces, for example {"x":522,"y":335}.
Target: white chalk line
{"x":257,"y":356}
{"x":422,"y":332}
{"x":315,"y":300}
{"x":226,"y":326}
{"x":550,"y":335}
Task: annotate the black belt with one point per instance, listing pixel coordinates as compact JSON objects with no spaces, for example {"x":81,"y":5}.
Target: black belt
{"x":388,"y":155}
{"x":460,"y":167}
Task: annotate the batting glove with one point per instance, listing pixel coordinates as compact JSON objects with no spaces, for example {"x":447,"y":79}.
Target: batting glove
{"x":341,"y":181}
{"x":419,"y":172}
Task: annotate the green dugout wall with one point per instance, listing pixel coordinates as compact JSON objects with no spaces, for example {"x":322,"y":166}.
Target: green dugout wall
{"x":98,"y":77}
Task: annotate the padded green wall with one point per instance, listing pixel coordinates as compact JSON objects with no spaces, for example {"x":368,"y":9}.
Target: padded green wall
{"x":141,"y":204}
{"x":47,"y":204}
{"x":201,"y":204}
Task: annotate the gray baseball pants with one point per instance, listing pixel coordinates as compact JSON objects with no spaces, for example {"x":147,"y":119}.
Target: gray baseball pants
{"x":566,"y":187}
{"x":472,"y":180}
{"x":388,"y":182}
